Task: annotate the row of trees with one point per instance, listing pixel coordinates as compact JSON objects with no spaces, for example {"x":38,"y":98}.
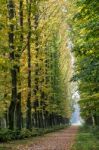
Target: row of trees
{"x":85,"y":38}
{"x":34,"y":88}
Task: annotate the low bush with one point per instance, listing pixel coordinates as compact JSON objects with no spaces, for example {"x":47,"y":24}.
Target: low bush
{"x":95,"y":132}
{"x":8,"y":135}
{"x":5,"y":135}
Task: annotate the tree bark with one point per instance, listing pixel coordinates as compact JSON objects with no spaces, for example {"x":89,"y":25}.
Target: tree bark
{"x":28,"y":123}
{"x":11,"y":12}
{"x":18,"y":106}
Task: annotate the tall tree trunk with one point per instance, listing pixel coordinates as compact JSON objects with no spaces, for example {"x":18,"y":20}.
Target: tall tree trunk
{"x":18,"y":106}
{"x":28,"y":123}
{"x":11,"y":11}
{"x":36,"y":88}
{"x":93,"y":119}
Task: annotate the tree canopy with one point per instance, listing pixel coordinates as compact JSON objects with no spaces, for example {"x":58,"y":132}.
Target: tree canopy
{"x":35,"y":66}
{"x":85,"y":38}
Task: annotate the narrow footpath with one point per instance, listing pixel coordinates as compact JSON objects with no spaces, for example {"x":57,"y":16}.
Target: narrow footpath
{"x":61,"y":140}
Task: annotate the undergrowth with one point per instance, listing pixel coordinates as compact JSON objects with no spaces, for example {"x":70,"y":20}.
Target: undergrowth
{"x":9,"y":135}
{"x":87,"y":139}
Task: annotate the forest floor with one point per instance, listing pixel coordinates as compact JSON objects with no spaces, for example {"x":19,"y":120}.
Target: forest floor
{"x":60,"y":140}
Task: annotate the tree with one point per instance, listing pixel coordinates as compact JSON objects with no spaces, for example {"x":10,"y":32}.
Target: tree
{"x":11,"y":11}
{"x":35,"y":38}
{"x":85,"y":41}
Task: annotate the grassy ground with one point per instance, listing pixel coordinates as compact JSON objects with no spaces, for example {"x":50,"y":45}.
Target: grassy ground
{"x":87,"y":139}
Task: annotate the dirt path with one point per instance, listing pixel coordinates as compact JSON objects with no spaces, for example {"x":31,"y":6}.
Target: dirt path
{"x":62,"y":140}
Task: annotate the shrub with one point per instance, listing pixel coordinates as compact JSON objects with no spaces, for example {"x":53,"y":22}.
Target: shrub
{"x":7,"y":135}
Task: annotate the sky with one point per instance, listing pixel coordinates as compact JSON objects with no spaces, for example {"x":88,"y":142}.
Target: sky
{"x":76,"y":118}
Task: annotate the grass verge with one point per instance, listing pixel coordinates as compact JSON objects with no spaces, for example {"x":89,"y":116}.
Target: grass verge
{"x":87,"y":139}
